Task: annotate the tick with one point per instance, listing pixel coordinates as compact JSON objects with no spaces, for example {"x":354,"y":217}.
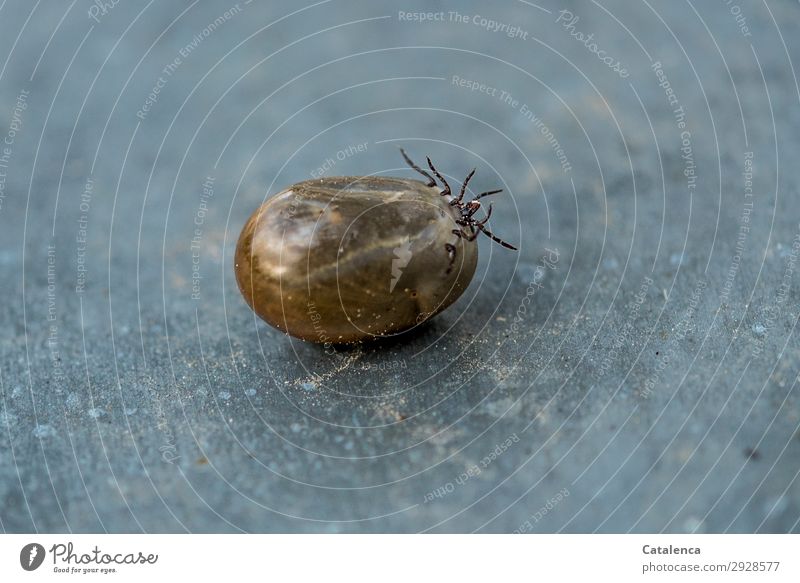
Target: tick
{"x":341,"y":259}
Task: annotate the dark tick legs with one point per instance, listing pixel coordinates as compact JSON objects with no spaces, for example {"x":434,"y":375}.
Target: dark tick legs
{"x":471,"y":226}
{"x":446,"y":191}
{"x":457,"y":201}
{"x":487,"y":193}
{"x":431,"y":181}
{"x":489,"y":234}
{"x":486,"y":218}
{"x":470,"y":209}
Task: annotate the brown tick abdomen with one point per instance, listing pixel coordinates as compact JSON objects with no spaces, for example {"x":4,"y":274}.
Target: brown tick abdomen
{"x":344,"y":259}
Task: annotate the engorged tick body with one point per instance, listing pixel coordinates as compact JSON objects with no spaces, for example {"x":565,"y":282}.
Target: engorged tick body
{"x":343,"y":259}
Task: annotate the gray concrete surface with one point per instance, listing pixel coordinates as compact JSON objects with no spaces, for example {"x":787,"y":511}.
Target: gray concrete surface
{"x":645,"y":381}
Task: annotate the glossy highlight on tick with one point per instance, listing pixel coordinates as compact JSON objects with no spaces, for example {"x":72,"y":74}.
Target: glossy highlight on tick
{"x":343,"y":259}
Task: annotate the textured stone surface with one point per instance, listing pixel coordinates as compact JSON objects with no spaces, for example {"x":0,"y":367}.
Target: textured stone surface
{"x":632,"y":368}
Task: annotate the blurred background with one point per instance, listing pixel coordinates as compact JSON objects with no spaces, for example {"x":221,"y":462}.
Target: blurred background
{"x":632,"y":368}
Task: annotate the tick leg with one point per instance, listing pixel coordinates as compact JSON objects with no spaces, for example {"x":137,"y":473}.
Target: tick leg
{"x":446,"y":190}
{"x":457,"y":201}
{"x":485,"y":219}
{"x":471,"y":236}
{"x":489,"y":234}
{"x":462,"y":234}
{"x":470,"y":209}
{"x":451,"y":253}
{"x":431,"y":181}
{"x":487,"y":193}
